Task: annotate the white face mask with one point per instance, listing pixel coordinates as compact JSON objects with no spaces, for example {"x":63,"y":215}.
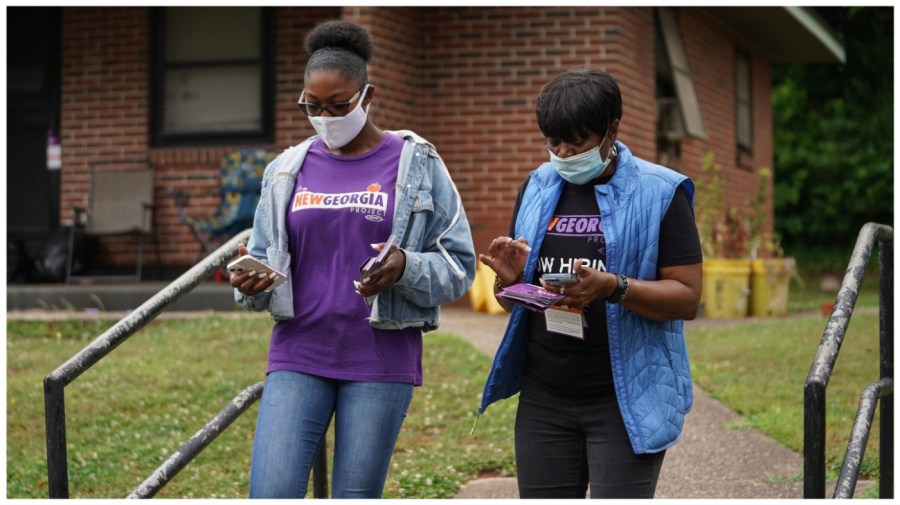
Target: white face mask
{"x":584,"y":167}
{"x":338,"y":131}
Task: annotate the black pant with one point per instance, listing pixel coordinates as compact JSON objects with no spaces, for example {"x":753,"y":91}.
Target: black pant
{"x":562,"y":444}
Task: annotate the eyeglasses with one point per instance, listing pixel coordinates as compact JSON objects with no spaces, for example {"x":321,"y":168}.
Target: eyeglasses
{"x":335,"y":109}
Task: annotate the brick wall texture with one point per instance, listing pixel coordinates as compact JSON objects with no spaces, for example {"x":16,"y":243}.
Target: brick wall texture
{"x":465,"y":78}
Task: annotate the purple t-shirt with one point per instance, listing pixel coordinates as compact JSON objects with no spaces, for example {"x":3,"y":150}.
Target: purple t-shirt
{"x":341,"y":205}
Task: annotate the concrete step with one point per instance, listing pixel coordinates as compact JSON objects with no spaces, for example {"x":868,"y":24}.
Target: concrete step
{"x":216,"y":296}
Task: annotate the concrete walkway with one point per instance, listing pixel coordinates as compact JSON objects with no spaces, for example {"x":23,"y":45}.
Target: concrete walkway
{"x":716,"y":457}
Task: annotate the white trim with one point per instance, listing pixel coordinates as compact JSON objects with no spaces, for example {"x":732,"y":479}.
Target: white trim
{"x":805,"y":18}
{"x":688,"y":102}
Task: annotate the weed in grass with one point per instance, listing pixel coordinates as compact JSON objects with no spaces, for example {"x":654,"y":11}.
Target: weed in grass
{"x":97,"y":301}
{"x":67,"y":305}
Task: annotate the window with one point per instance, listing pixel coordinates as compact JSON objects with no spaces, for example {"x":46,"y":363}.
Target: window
{"x":743,"y":103}
{"x":675,"y":72}
{"x":212,"y":75}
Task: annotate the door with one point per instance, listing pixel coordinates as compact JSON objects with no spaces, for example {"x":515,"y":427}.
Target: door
{"x":32,"y":101}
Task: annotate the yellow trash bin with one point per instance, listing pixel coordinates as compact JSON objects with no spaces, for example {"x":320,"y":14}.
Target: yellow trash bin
{"x":726,"y":287}
{"x":770,"y":281}
{"x":481,"y":294}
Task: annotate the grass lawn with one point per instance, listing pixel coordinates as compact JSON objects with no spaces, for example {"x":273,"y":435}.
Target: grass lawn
{"x":131,"y":411}
{"x":758,"y":369}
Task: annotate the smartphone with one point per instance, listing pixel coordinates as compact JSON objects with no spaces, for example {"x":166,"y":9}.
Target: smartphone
{"x":560,"y":279}
{"x":374,"y":262}
{"x":248,"y":263}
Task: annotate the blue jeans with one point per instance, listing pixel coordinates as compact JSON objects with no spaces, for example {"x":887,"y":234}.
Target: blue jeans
{"x":562,"y":444}
{"x":294,"y":415}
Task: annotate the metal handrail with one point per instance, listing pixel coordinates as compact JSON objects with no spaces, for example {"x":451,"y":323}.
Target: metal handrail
{"x":826,"y":356}
{"x":180,"y":458}
{"x":859,"y":436}
{"x":57,"y":380}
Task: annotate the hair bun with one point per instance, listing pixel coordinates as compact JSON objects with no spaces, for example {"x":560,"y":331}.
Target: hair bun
{"x":340,"y":34}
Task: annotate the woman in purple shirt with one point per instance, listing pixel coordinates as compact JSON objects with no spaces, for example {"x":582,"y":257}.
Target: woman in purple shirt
{"x":348,"y":345}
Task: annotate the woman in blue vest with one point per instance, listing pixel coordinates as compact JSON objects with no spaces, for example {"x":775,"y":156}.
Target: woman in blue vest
{"x":604,"y":376}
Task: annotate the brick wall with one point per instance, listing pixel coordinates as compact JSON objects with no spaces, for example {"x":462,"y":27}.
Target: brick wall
{"x":396,"y":67}
{"x":484,"y":69}
{"x":291,"y":25}
{"x":711,"y":50}
{"x":104,"y":112}
{"x":464,"y":77}
{"x":632,"y":53}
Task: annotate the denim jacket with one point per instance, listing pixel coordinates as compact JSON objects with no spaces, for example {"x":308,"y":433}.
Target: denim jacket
{"x":429,"y":221}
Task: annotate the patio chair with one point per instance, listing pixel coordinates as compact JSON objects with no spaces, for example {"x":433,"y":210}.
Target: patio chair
{"x":240,"y":174}
{"x":120,"y":202}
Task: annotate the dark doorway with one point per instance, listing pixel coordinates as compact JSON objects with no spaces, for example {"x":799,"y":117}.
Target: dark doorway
{"x":32,"y":101}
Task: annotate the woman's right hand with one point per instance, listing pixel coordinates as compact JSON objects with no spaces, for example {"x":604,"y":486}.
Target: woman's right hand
{"x":507,"y":258}
{"x":248,"y":283}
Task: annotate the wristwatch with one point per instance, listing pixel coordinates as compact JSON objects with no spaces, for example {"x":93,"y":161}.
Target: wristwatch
{"x":621,"y":290}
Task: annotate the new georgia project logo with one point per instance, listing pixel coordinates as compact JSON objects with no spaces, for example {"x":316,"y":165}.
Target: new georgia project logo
{"x":372,"y":202}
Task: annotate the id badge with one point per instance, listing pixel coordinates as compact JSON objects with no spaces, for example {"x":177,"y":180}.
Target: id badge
{"x":565,"y":322}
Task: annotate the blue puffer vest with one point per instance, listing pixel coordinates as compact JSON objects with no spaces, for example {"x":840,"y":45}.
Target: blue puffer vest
{"x":649,"y":359}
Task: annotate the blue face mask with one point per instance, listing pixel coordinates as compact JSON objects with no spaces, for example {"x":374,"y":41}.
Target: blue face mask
{"x":582,"y":168}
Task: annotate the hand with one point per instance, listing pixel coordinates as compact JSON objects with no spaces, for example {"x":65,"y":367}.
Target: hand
{"x":507,"y":258}
{"x":249,"y":283}
{"x":385,"y":275}
{"x":592,"y":284}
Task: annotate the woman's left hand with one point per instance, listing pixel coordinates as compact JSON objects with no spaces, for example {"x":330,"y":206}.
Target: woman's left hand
{"x":385,"y":275}
{"x":592,"y":284}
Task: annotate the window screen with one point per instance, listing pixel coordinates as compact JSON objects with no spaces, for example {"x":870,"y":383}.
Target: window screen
{"x":212,"y":78}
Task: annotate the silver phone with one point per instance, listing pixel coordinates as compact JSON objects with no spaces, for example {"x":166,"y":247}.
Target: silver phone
{"x":247,"y":263}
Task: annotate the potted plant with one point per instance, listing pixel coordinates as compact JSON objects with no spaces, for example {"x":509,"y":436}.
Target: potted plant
{"x":725,"y":240}
{"x":770,"y":271}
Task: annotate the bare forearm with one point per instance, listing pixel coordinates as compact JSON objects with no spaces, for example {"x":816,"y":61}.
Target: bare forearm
{"x":661,"y":300}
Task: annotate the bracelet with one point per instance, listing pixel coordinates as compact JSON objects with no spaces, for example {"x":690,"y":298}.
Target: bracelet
{"x":621,"y":290}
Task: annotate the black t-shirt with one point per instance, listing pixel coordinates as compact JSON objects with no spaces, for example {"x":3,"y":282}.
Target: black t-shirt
{"x":570,"y":366}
